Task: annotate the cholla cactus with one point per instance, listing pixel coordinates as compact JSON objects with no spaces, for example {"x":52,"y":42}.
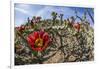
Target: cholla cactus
{"x":54,"y":16}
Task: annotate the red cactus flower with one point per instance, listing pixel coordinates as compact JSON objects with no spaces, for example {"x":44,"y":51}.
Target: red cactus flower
{"x":38,"y":40}
{"x":17,"y":28}
{"x":21,"y":28}
{"x":76,"y":26}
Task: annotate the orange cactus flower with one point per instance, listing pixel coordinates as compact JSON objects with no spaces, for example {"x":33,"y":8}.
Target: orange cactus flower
{"x":76,"y":26}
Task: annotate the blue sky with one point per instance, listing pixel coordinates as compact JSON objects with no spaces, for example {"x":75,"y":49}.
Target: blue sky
{"x":23,"y":11}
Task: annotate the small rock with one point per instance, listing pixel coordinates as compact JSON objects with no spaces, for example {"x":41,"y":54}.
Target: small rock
{"x":71,"y":58}
{"x":57,"y":58}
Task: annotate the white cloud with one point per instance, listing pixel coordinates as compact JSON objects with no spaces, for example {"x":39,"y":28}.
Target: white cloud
{"x":44,"y":12}
{"x":23,"y":11}
{"x":25,"y":6}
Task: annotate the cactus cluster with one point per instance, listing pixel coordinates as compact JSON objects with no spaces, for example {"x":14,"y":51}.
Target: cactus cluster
{"x":55,"y":40}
